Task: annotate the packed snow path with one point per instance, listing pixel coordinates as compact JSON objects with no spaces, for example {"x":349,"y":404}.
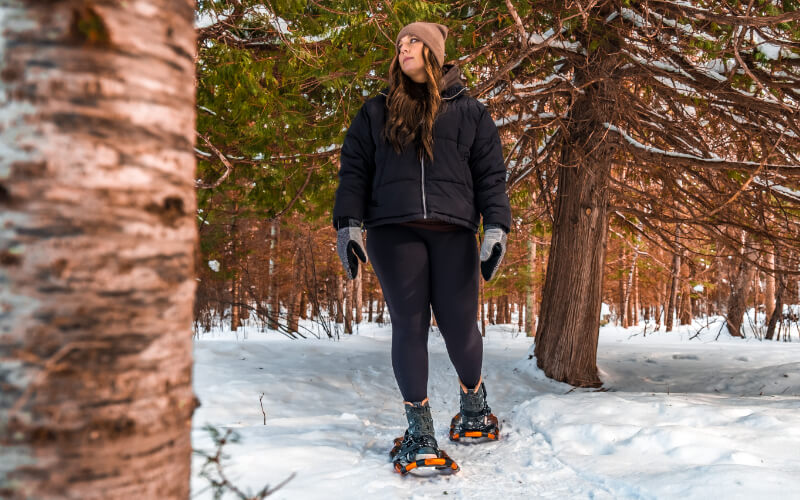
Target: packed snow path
{"x":679,"y":419}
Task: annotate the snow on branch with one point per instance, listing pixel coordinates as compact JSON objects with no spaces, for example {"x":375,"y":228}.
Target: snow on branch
{"x":715,"y":162}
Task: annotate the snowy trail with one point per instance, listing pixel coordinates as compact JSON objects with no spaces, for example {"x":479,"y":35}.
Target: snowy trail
{"x":729,"y":426}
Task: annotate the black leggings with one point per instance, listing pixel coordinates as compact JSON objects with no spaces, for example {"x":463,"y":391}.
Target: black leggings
{"x":419,"y":268}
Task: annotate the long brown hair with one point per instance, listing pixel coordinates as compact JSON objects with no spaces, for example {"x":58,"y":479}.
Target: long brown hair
{"x":412,"y":106}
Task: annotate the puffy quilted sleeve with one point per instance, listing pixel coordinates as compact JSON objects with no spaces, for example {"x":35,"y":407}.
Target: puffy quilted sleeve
{"x":356,"y":168}
{"x":489,"y":173}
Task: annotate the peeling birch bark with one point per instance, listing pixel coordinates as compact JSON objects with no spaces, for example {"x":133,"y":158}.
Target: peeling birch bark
{"x":97,"y":207}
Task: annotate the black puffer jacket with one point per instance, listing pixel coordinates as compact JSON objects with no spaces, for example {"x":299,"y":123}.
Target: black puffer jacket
{"x":466,"y":179}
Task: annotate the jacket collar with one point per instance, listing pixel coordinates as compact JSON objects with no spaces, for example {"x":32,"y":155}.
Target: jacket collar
{"x":451,"y":83}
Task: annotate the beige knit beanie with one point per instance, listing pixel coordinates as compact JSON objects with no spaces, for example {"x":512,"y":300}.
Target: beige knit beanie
{"x":432,"y":34}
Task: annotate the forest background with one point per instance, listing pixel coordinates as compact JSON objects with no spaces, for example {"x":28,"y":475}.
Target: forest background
{"x":651,"y":151}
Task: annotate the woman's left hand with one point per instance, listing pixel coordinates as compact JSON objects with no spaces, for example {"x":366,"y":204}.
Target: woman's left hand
{"x":492,"y":250}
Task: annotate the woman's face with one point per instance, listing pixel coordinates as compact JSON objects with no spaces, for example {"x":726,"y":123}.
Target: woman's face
{"x":409,"y":53}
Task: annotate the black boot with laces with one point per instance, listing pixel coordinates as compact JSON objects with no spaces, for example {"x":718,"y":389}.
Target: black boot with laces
{"x":417,"y":449}
{"x":475,"y":420}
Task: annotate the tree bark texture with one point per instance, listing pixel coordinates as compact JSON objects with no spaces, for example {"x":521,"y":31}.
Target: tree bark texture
{"x":739,"y":290}
{"x":97,"y":238}
{"x":569,"y":321}
{"x":777,"y":310}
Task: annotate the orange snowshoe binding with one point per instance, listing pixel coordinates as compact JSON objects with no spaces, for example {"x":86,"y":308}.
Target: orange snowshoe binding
{"x":417,"y":450}
{"x":475,"y":420}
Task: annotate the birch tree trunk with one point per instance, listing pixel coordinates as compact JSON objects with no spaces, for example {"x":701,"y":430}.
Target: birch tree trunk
{"x":97,"y":239}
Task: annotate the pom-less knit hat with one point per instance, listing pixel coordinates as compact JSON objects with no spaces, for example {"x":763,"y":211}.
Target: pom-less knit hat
{"x":431,"y":34}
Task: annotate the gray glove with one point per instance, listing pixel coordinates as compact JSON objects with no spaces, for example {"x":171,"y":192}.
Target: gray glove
{"x":492,"y":250}
{"x":349,"y":245}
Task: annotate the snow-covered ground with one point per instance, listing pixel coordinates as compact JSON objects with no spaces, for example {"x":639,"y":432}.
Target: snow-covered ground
{"x":681,"y":416}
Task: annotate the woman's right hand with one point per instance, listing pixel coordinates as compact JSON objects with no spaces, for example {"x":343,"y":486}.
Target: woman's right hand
{"x":350,"y":247}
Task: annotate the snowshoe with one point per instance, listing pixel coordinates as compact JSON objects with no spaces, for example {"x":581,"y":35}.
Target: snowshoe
{"x":475,"y":420}
{"x":417,"y":450}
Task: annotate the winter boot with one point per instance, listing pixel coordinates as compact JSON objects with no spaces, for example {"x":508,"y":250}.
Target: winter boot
{"x":417,"y":449}
{"x":475,"y":420}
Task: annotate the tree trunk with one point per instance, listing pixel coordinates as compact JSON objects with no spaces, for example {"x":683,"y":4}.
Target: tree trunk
{"x":686,"y":298}
{"x":569,"y":322}
{"x":636,"y":305}
{"x":628,"y":305}
{"x":357,"y":298}
{"x":673,"y":291}
{"x":777,"y":307}
{"x":660,"y":316}
{"x":370,"y":298}
{"x":348,"y":306}
{"x":235,"y":288}
{"x":739,"y":290}
{"x":530,"y":317}
{"x":303,"y":305}
{"x":339,"y":298}
{"x":482,"y":311}
{"x":381,"y":306}
{"x":97,"y":240}
{"x":621,"y":308}
{"x":502,"y":310}
{"x":295,"y":293}
{"x":274,"y":285}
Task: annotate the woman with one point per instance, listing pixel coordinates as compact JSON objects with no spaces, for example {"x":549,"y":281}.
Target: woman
{"x":420,"y":163}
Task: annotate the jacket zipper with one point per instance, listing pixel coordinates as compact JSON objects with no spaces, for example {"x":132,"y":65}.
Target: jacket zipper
{"x":422,"y":169}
